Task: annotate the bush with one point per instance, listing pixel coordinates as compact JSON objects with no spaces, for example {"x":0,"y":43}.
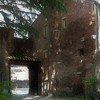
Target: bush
{"x":5,"y":88}
{"x":90,"y":80}
{"x":95,"y":95}
{"x":90,"y":83}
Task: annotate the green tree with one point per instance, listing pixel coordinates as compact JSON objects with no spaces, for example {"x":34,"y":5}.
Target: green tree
{"x":19,"y":14}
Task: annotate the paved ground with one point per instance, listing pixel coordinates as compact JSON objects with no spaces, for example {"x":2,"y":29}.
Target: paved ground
{"x":35,"y":98}
{"x":29,"y":97}
{"x":22,"y":94}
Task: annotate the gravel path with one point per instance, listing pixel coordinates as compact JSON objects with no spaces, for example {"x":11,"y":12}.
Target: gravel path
{"x":22,"y":94}
{"x":34,"y":98}
{"x":29,"y":97}
{"x":43,"y":98}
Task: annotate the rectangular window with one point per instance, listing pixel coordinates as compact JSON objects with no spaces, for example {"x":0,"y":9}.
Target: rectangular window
{"x":64,"y":24}
{"x":81,"y":51}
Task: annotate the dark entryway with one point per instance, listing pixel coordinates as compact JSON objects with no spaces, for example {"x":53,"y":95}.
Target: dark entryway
{"x":34,"y":71}
{"x":34,"y":78}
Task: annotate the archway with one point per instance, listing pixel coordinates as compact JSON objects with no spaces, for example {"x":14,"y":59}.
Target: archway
{"x":34,"y":74}
{"x":20,"y":79}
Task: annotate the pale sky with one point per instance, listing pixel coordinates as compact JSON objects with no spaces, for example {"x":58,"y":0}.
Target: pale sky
{"x":19,"y":72}
{"x":1,"y":18}
{"x":98,"y":1}
{"x":22,"y":9}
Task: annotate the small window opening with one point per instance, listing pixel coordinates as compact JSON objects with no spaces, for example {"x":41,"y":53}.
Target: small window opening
{"x":81,"y":51}
{"x":64,"y":23}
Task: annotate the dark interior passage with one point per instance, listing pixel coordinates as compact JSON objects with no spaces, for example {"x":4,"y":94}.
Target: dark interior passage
{"x":34,"y":78}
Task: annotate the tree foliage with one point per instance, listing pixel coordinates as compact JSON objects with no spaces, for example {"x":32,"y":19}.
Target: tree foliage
{"x":19,"y":14}
{"x":4,"y":87}
{"x":90,"y":80}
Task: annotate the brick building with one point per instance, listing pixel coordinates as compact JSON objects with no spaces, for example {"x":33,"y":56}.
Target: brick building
{"x":63,"y":54}
{"x":68,"y":45}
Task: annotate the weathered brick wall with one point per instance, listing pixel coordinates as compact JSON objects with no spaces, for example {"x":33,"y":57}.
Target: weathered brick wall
{"x":66,"y":53}
{"x":6,"y":47}
{"x":69,"y":50}
{"x":23,"y":48}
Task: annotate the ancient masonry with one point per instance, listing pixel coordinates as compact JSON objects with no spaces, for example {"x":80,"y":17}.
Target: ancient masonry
{"x":67,"y":44}
{"x":64,"y":50}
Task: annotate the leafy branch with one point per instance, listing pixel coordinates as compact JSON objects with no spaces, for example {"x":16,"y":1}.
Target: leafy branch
{"x":20,"y":14}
